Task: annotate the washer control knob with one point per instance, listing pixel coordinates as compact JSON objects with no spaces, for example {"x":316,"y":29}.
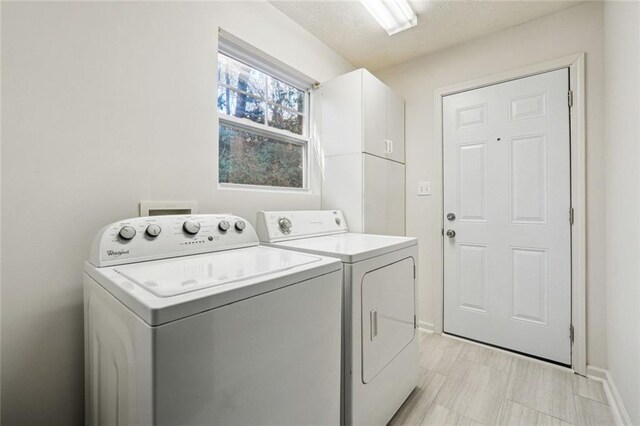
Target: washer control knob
{"x":127,"y":232}
{"x":153,"y":230}
{"x":338,"y":221}
{"x":240,"y":225}
{"x":224,"y":226}
{"x":191,"y":227}
{"x":285,"y":225}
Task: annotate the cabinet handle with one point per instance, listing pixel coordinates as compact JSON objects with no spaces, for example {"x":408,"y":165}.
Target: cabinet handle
{"x":373,"y":325}
{"x":387,"y":146}
{"x":390,"y":147}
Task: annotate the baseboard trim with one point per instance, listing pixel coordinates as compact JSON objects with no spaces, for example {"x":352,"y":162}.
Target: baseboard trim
{"x":620,"y":415}
{"x":596,"y":372}
{"x":426,"y":326}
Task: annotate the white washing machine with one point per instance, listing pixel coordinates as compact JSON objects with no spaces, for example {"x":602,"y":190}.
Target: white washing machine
{"x":189,"y":321}
{"x":380,"y":343}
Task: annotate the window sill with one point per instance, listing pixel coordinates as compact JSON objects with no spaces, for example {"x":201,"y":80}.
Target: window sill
{"x":261,"y":188}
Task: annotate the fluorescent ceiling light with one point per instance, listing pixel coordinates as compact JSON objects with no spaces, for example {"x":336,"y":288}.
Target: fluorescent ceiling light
{"x":393,"y":15}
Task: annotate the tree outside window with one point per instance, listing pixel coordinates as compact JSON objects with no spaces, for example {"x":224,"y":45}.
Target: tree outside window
{"x":262,"y":129}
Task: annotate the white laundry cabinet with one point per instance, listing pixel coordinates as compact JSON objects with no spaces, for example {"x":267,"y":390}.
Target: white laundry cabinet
{"x":363,"y":147}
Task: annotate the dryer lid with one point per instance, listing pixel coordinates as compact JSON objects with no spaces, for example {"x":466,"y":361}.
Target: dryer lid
{"x":350,"y":247}
{"x":181,"y":275}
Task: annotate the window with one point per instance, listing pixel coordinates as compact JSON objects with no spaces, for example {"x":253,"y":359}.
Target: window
{"x":263,"y":125}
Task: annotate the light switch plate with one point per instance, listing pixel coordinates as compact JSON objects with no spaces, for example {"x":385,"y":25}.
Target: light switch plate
{"x":424,"y":188}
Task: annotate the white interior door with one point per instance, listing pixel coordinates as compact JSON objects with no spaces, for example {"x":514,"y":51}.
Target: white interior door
{"x":507,"y":270}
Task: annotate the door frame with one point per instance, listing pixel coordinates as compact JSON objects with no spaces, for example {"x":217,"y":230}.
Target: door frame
{"x":576,"y":65}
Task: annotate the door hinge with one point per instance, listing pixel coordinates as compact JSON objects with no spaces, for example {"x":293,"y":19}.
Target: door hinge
{"x":414,"y":272}
{"x":442,"y":231}
{"x":570,"y":98}
{"x":571,"y":333}
{"x":571,"y":215}
{"x":415,"y":322}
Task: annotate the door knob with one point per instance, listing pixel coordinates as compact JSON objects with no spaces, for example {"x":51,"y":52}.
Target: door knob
{"x":451,"y":216}
{"x":451,"y":233}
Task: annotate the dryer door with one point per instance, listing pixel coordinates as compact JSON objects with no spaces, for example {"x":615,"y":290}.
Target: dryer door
{"x":388,"y":309}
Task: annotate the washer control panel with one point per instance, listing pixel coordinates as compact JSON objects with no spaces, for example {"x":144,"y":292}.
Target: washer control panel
{"x":273,"y":226}
{"x":159,"y":237}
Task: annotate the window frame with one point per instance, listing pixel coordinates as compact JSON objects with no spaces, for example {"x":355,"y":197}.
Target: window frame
{"x":237,"y":50}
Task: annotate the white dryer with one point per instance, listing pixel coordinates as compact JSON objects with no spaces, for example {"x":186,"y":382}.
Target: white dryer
{"x":189,"y":321}
{"x":380,"y":343}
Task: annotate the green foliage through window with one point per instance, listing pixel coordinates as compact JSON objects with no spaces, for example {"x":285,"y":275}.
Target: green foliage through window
{"x":252,"y":159}
{"x":248,"y":157}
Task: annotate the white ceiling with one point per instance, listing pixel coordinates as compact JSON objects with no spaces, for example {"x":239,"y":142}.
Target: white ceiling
{"x":347,"y":27}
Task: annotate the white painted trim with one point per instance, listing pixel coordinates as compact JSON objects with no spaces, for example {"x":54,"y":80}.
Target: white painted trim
{"x":263,"y":130}
{"x":425,"y":326}
{"x":620,"y":415}
{"x":596,"y":373}
{"x":238,"y":49}
{"x":576,"y":66}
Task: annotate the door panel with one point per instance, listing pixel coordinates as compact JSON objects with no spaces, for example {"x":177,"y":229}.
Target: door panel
{"x":472,"y":181}
{"x":388,"y":308}
{"x":374,"y":105}
{"x":529,"y":285}
{"x":528,"y":179}
{"x":471,"y":116}
{"x":472,"y":277}
{"x":507,"y":180}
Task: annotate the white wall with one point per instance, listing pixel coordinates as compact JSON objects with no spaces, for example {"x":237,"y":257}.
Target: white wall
{"x":104,"y":105}
{"x":622,"y":124}
{"x":0,"y":217}
{"x":569,"y":31}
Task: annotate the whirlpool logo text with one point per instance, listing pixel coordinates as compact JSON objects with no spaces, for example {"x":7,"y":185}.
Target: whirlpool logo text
{"x":117,"y":253}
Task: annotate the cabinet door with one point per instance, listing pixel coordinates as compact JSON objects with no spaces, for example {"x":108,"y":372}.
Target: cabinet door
{"x":384,"y":203}
{"x":395,"y":198}
{"x":395,"y":126}
{"x":375,"y":194}
{"x":341,"y":115}
{"x":374,"y":117}
{"x":342,"y":188}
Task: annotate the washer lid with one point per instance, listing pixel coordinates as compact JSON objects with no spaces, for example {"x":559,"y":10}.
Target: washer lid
{"x":177,"y":276}
{"x":349,"y":247}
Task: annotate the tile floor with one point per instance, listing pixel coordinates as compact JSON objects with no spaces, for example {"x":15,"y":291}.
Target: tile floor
{"x":467,"y":384}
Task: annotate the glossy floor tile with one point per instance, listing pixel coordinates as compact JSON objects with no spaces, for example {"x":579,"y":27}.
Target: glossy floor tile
{"x":463,"y":383}
{"x":475,"y":391}
{"x":500,"y":360}
{"x":439,"y":415}
{"x":592,"y":413}
{"x":589,"y":389}
{"x":543,"y":387}
{"x":514,"y":414}
{"x":439,"y":353}
{"x":416,"y":406}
